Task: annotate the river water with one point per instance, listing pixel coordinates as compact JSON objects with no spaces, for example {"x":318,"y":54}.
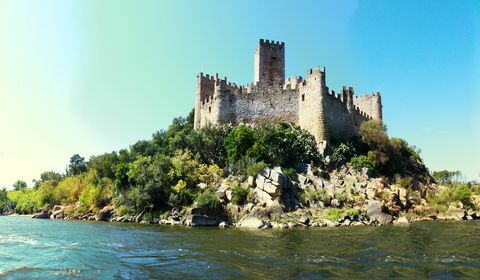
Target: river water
{"x":48,"y":249}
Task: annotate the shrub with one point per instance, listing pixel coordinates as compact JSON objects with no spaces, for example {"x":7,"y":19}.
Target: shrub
{"x":238,"y":142}
{"x":240,"y":195}
{"x":341,"y":154}
{"x":312,"y":196}
{"x":363,"y":162}
{"x":374,"y":133}
{"x":184,"y":197}
{"x":124,"y":210}
{"x":247,"y":166}
{"x":291,"y":172}
{"x":406,"y":182}
{"x":255,"y":168}
{"x":342,"y":197}
{"x":454,"y":193}
{"x":335,"y":214}
{"x":25,"y":201}
{"x":462,"y":193}
{"x":208,"y":201}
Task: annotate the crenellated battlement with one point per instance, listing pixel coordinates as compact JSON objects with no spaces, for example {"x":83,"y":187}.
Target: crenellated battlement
{"x":264,"y":42}
{"x":307,"y":102}
{"x":293,"y":82}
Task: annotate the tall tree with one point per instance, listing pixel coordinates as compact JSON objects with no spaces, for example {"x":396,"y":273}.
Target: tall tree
{"x":19,"y":185}
{"x":77,"y":165}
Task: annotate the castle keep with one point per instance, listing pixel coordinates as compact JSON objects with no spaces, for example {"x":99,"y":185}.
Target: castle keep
{"x":271,"y":98}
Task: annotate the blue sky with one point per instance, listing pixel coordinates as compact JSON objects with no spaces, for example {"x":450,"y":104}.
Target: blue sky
{"x":95,"y":76}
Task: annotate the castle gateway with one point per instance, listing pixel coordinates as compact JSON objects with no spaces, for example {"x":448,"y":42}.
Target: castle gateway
{"x":307,"y":102}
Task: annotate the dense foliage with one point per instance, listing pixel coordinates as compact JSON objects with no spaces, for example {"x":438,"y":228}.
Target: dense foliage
{"x":166,"y":171}
{"x":179,"y":166}
{"x":380,"y":154}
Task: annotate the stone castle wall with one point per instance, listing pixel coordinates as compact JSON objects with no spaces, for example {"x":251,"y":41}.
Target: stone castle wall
{"x":272,"y":99}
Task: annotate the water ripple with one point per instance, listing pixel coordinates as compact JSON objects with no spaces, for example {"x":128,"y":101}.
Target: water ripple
{"x":88,"y":250}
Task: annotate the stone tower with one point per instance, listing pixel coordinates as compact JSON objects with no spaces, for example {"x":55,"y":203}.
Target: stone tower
{"x":269,"y":63}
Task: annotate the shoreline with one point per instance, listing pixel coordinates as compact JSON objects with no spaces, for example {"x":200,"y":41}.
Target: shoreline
{"x":272,"y":199}
{"x":235,"y":225}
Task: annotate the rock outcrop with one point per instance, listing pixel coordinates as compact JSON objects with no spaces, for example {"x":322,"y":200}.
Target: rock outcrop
{"x":105,"y":213}
{"x":43,"y":214}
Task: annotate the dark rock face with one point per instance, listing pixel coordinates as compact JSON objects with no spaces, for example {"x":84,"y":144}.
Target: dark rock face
{"x":41,"y":215}
{"x":195,"y":220}
{"x":105,"y":213}
{"x":374,"y":211}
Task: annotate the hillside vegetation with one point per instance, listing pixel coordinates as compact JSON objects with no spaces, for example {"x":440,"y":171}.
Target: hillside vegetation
{"x":180,"y":168}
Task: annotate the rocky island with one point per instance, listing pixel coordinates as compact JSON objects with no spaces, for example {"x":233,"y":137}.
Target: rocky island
{"x":278,"y":153}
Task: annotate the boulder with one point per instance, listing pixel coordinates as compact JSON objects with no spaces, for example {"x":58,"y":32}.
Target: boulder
{"x":455,"y":213}
{"x":259,"y":181}
{"x":401,"y":221}
{"x":302,"y":180}
{"x":441,"y":216}
{"x":266,"y":172}
{"x":175,"y":214}
{"x":304,"y":220}
{"x":335,"y":203}
{"x":57,"y":214}
{"x":201,"y":220}
{"x":263,"y":197}
{"x":202,"y":185}
{"x":320,"y":184}
{"x":272,"y":189}
{"x":251,"y":222}
{"x":229,"y":195}
{"x":289,"y":200}
{"x":105,"y":213}
{"x":278,"y":178}
{"x":330,"y":223}
{"x":41,"y":215}
{"x":267,"y":224}
{"x":251,"y":181}
{"x":374,"y":211}
{"x":223,"y":225}
{"x":370,"y":193}
{"x":139,"y":217}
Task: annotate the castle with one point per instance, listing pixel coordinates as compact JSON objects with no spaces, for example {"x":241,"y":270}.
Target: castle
{"x":308,"y":102}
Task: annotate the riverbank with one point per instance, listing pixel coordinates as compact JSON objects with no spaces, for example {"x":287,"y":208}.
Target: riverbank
{"x":273,"y":199}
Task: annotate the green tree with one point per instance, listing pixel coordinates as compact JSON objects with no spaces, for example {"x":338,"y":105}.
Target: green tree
{"x":104,"y":165}
{"x":238,"y":142}
{"x":283,"y":145}
{"x":374,"y":133}
{"x":51,"y":176}
{"x":19,"y":185}
{"x":150,"y":184}
{"x":3,"y":200}
{"x":77,"y":165}
{"x":208,"y":142}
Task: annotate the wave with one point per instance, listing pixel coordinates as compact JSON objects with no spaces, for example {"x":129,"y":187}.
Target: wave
{"x":12,"y":239}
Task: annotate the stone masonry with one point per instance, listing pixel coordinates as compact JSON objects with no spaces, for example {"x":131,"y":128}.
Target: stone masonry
{"x":271,"y":98}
